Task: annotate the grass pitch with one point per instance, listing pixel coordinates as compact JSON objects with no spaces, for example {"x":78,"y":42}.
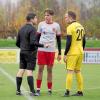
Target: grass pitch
{"x":91,"y":74}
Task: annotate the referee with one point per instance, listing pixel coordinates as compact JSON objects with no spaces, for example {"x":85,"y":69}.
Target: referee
{"x":27,"y":42}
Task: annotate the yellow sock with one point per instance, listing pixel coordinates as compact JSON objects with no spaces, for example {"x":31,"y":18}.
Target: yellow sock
{"x":79,"y":81}
{"x":69,"y":81}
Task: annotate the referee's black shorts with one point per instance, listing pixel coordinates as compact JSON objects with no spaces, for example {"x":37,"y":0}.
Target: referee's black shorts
{"x":28,"y":60}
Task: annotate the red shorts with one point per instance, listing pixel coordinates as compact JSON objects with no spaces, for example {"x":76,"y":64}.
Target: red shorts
{"x":45,"y":58}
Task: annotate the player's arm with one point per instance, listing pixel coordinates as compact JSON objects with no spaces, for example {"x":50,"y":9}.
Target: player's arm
{"x":58,"y":37}
{"x":68,"y":43}
{"x":18,"y":41}
{"x":84,"y":42}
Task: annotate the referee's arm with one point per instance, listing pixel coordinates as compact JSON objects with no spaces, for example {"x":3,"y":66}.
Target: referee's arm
{"x":18,"y":41}
{"x":34,"y":39}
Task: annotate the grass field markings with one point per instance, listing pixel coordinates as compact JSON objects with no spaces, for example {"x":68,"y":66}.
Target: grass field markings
{"x":64,"y":90}
{"x":14,"y":81}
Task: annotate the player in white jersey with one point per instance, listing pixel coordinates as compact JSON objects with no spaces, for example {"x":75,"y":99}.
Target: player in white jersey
{"x":48,"y":32}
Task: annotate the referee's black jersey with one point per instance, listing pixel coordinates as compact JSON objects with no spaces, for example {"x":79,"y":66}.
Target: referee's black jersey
{"x":26,"y":39}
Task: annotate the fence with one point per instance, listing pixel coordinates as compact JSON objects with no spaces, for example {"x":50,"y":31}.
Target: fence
{"x":12,"y":56}
{"x":9,"y":55}
{"x":92,"y":55}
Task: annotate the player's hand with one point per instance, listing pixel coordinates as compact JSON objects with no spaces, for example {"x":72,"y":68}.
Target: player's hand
{"x":59,"y":57}
{"x":65,"y":58}
{"x":46,"y":45}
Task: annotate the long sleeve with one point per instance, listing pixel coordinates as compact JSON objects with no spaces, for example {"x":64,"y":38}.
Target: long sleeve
{"x":84,"y":42}
{"x":59,"y":44}
{"x":68,"y":44}
{"x":34,"y":39}
{"x":18,"y":41}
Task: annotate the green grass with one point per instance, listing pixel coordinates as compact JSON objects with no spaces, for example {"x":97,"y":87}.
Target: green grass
{"x":7,"y":43}
{"x":91,"y":73}
{"x":93,"y":43}
{"x":89,"y":43}
{"x":11,"y":43}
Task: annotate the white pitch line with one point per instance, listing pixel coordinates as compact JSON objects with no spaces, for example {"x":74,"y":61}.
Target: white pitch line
{"x":14,"y":81}
{"x":64,"y":90}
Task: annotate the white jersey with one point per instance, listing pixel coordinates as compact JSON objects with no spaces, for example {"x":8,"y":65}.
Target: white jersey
{"x":48,"y":35}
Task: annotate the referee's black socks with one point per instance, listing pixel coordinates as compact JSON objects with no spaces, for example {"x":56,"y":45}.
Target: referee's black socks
{"x":18,"y":83}
{"x":30,"y":81}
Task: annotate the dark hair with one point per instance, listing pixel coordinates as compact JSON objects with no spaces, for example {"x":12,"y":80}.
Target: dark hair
{"x":30,"y":16}
{"x":72,"y":14}
{"x":49,"y":11}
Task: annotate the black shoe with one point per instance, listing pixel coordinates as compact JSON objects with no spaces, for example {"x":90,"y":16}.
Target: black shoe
{"x":37,"y":93}
{"x":18,"y":93}
{"x":67,"y":93}
{"x":33,"y":91}
{"x":32,"y":94}
{"x":79,"y":93}
{"x":49,"y":92}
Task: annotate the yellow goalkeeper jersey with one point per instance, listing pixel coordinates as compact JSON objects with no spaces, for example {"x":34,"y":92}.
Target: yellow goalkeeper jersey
{"x":76,"y":30}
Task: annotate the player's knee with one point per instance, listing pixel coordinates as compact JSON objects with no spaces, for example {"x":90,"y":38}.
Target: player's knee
{"x":77,"y":71}
{"x":70,"y":71}
{"x":49,"y":70}
{"x":41,"y":70}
